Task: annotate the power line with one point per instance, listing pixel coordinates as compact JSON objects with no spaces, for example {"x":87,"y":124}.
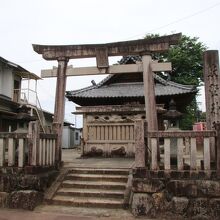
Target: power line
{"x":178,"y":20}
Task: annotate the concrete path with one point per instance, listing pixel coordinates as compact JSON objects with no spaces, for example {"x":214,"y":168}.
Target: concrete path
{"x":14,"y":214}
{"x":71,"y":158}
{"x":93,"y":213}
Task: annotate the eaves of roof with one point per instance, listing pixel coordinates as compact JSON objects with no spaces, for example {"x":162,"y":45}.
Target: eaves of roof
{"x":135,"y":89}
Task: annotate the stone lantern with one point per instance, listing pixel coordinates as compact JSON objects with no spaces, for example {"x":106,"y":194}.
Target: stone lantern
{"x":23,"y":118}
{"x":172,"y":116}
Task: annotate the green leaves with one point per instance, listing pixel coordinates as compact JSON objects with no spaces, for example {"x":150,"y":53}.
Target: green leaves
{"x":186,"y":58}
{"x":187,"y":65}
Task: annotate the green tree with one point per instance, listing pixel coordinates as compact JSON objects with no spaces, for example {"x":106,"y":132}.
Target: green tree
{"x":187,"y":65}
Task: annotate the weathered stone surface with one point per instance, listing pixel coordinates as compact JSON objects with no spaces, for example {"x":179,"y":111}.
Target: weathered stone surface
{"x":147,"y":185}
{"x":94,"y":152}
{"x":215,"y":207}
{"x":120,"y":152}
{"x":141,"y":204}
{"x":209,"y":188}
{"x":25,"y":199}
{"x":198,"y":207}
{"x":10,"y":182}
{"x":179,"y":204}
{"x":200,"y":217}
{"x":160,"y":202}
{"x":182,"y":188}
{"x":3,"y":199}
{"x":194,"y":188}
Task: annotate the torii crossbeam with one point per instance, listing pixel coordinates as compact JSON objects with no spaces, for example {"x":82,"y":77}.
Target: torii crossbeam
{"x":144,"y":48}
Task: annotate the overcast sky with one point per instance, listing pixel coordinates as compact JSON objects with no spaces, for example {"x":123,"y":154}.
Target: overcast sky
{"x":27,"y":22}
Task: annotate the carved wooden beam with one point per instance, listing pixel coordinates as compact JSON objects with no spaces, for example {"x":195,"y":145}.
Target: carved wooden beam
{"x":134,"y":47}
{"x":115,"y":69}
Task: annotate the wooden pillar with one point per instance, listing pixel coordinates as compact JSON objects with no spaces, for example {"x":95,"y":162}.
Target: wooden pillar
{"x":85,"y":135}
{"x":149,"y":94}
{"x":60,"y":104}
{"x":139,"y":144}
{"x":150,"y":102}
{"x":34,"y":138}
{"x":212,"y":92}
{"x":21,"y":152}
{"x":11,"y":152}
{"x":2,"y":152}
{"x":217,"y":126}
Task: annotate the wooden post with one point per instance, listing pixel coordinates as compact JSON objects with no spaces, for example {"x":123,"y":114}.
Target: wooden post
{"x":60,"y":104}
{"x":11,"y":152}
{"x":2,"y":152}
{"x":54,"y":148}
{"x":149,"y":97}
{"x":154,"y":152}
{"x":34,"y":137}
{"x":167,"y":153}
{"x":206,"y":154}
{"x":47,"y":152}
{"x":149,"y":94}
{"x":180,"y":154}
{"x":43,"y":152}
{"x":21,"y":152}
{"x":51,"y":152}
{"x":139,"y":144}
{"x":212,"y":92}
{"x":217,"y":126}
{"x":193,"y":153}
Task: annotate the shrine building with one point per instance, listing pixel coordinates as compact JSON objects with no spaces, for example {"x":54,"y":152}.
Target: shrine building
{"x":110,"y":108}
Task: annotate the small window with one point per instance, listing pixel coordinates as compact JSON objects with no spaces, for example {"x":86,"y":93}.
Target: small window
{"x":143,"y":117}
{"x":96,"y":117}
{"x":123,"y":117}
{"x":106,"y":118}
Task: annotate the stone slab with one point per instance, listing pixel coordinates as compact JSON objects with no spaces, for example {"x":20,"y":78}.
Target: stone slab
{"x":25,"y":199}
{"x":146,"y":185}
{"x":179,"y":205}
{"x":141,"y":204}
{"x":194,"y":188}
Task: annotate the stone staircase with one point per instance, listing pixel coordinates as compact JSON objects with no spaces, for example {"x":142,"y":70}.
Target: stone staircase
{"x":90,"y":187}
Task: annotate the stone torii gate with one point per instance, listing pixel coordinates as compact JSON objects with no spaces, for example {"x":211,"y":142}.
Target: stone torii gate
{"x":142,"y":47}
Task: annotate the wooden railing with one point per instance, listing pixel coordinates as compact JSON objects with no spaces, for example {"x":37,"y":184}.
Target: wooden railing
{"x":27,"y":149}
{"x":183,"y":140}
{"x":158,"y":145}
{"x":114,"y":132}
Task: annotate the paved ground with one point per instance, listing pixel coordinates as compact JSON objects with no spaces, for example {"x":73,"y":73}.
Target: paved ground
{"x":6,"y":214}
{"x":87,"y":212}
{"x":71,"y":158}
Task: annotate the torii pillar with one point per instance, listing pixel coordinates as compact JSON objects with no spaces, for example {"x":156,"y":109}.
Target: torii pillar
{"x":59,"y":108}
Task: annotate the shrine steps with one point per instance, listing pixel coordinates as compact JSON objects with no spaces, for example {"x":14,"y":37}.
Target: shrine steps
{"x":100,"y":188}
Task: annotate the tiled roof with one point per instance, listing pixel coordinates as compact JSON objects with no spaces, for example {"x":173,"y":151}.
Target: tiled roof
{"x":131,"y":59}
{"x":131,"y":89}
{"x":134,"y":89}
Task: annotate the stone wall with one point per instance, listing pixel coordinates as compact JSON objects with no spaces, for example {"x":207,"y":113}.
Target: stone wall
{"x":20,"y":189}
{"x":187,"y":194}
